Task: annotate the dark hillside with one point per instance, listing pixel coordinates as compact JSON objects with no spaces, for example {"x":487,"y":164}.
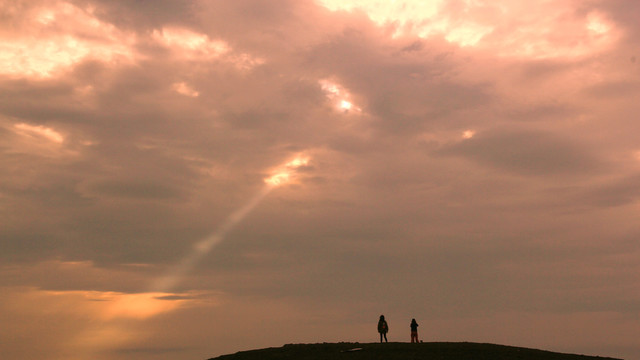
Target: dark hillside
{"x":402,"y":351}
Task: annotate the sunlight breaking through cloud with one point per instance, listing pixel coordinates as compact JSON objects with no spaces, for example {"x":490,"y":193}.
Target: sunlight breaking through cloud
{"x":509,"y":27}
{"x":46,"y":47}
{"x":280,"y":176}
{"x":187,"y":44}
{"x":286,"y":173}
{"x":184,"y":89}
{"x":468,"y":134}
{"x":39,"y":132}
{"x":190,"y":44}
{"x":179,"y":177}
{"x":339,"y":96}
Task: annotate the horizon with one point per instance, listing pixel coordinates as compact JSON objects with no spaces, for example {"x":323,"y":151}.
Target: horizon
{"x":403,"y":350}
{"x":186,"y":178}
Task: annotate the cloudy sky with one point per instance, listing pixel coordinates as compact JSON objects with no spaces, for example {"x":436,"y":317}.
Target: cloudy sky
{"x":185,"y":179}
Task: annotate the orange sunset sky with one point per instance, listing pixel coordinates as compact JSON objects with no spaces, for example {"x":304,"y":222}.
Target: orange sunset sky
{"x":183,"y":179}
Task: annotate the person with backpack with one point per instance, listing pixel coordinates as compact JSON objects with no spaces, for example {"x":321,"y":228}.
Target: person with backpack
{"x":414,"y":331}
{"x":383,"y":328}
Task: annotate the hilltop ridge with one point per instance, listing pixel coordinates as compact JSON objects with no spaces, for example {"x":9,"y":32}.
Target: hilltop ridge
{"x":403,"y":351}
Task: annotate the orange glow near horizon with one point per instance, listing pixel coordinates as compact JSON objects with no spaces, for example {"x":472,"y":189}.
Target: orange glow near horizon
{"x":104,"y":320}
{"x":115,"y":305}
{"x":138,"y":306}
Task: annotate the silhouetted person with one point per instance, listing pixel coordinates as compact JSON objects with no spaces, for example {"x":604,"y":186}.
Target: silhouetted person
{"x":383,"y":328}
{"x":414,"y":331}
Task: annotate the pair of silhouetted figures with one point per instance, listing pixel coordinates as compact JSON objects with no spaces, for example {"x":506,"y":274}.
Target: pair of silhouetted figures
{"x":383,"y":328}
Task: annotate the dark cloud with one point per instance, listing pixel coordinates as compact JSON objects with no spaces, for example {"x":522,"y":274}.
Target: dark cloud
{"x":541,"y":112}
{"x":404,"y":91}
{"x":620,"y":192}
{"x":142,"y":15}
{"x":614,"y":89}
{"x":134,"y":189}
{"x":625,"y":14}
{"x":526,"y":153}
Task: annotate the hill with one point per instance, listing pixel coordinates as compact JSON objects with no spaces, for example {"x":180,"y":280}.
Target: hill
{"x":402,"y":351}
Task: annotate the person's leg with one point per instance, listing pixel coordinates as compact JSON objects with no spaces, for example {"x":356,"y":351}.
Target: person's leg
{"x":380,"y":337}
{"x":385,"y":337}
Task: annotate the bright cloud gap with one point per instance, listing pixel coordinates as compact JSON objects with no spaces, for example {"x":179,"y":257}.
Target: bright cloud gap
{"x":287,"y":172}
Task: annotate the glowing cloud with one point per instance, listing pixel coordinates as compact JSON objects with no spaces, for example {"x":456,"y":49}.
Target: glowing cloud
{"x":512,"y":28}
{"x":45,"y":48}
{"x":286,"y":173}
{"x":339,"y":96}
{"x":114,"y":305}
{"x":191,"y":45}
{"x":138,"y":306}
{"x":597,"y":24}
{"x":468,"y":134}
{"x":39,"y":132}
{"x":184,"y":89}
{"x":346,"y":105}
{"x":384,"y":11}
{"x":422,"y":18}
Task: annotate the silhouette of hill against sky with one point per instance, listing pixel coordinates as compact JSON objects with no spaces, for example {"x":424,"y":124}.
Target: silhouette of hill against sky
{"x":403,"y":351}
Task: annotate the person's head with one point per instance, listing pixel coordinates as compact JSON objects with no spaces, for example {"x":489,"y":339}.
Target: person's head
{"x":413,"y":321}
{"x":381,"y":317}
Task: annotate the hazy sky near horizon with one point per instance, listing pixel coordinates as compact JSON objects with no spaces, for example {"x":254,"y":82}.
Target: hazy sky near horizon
{"x":472,"y":164}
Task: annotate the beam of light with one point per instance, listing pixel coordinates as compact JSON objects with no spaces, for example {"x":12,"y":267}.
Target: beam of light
{"x":280,"y":176}
{"x":203,"y":247}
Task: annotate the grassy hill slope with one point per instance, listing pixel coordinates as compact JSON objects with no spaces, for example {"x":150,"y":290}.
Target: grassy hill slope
{"x":402,"y":351}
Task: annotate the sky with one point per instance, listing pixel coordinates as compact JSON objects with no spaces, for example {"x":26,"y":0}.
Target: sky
{"x":185,"y":179}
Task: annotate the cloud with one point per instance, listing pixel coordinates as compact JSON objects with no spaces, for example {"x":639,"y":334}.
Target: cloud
{"x":525,"y":152}
{"x":134,"y":189}
{"x":618,"y":192}
{"x":57,"y":36}
{"x":467,"y":162}
{"x":513,"y":28}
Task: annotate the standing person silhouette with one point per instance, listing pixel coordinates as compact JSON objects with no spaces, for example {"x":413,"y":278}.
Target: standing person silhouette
{"x":383,"y":328}
{"x":414,"y":331}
